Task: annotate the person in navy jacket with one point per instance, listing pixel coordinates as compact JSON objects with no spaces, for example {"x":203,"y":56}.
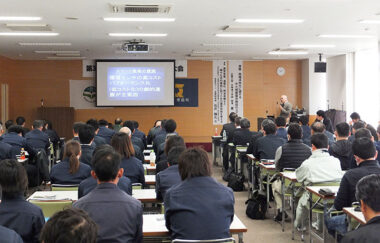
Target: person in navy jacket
{"x":14,"y":138}
{"x":133,"y":168}
{"x":70,"y":171}
{"x":16,"y":213}
{"x":105,"y":132}
{"x":37,"y":139}
{"x":199,"y":208}
{"x":281,"y":130}
{"x":86,"y":137}
{"x":97,"y":139}
{"x":9,"y":236}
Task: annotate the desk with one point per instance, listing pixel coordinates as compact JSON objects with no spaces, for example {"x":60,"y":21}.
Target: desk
{"x":215,"y":145}
{"x":147,"y":158}
{"x":150,"y":168}
{"x":54,"y":196}
{"x":291,"y":176}
{"x":267,"y":169}
{"x":356,"y":215}
{"x":150,"y":179}
{"x":147,"y":151}
{"x":154,"y":226}
{"x":145,"y":195}
{"x":149,"y":146}
{"x":315,"y":190}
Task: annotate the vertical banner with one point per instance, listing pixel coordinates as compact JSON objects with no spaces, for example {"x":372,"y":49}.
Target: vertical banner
{"x":219,"y":73}
{"x":235,"y":69}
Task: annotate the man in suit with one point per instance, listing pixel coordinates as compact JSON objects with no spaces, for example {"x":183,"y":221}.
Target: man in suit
{"x":266,"y":146}
{"x":108,"y":201}
{"x":86,"y":137}
{"x":321,"y":117}
{"x":342,"y":148}
{"x":228,"y":129}
{"x":368,"y":194}
{"x":98,"y":141}
{"x":37,"y":139}
{"x":104,"y":131}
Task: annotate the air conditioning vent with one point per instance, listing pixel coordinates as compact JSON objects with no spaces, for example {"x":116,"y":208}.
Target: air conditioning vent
{"x":129,"y":8}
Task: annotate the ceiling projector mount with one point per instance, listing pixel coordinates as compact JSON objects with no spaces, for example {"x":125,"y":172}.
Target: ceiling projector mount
{"x":135,"y":46}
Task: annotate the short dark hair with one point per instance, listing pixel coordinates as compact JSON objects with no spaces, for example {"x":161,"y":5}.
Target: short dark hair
{"x":77,"y":125}
{"x":94,"y":123}
{"x":368,"y":190}
{"x":136,"y":124}
{"x":364,"y":148}
{"x":118,"y":121}
{"x":321,"y":113}
{"x":106,"y":164}
{"x":294,"y":119}
{"x":170,"y":126}
{"x":358,"y":125}
{"x":15,"y":128}
{"x":304,"y":120}
{"x":245,"y":123}
{"x":86,"y":134}
{"x":319,"y":140}
{"x":13,"y":178}
{"x":20,"y":120}
{"x":343,"y":129}
{"x":232,"y":116}
{"x":103,"y":123}
{"x":38,"y":124}
{"x":71,"y":225}
{"x":49,"y":125}
{"x":270,"y":128}
{"x":266,"y":121}
{"x":8,"y":124}
{"x":280,"y":121}
{"x":363,"y":133}
{"x":130,"y":125}
{"x":174,"y":153}
{"x":373,"y":132}
{"x":318,"y":127}
{"x":237,"y":121}
{"x":173,"y":141}
{"x":194,"y":162}
{"x":122,"y":144}
{"x":354,"y":116}
{"x":295,"y":131}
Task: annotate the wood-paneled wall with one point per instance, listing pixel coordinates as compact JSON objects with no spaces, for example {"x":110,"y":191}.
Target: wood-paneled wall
{"x":32,"y":80}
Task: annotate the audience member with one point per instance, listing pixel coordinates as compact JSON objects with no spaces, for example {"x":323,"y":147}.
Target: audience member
{"x":281,"y":130}
{"x":37,"y":139}
{"x":199,"y":207}
{"x":16,"y":213}
{"x":70,"y":171}
{"x":342,"y":148}
{"x":319,"y":127}
{"x":356,"y":126}
{"x":169,"y":127}
{"x":139,"y":133}
{"x":71,"y":225}
{"x":294,"y":119}
{"x":133,"y":168}
{"x":9,"y":236}
{"x":373,"y":131}
{"x":306,"y":130}
{"x":8,"y":124}
{"x":98,"y":141}
{"x":355,"y":117}
{"x":52,"y":134}
{"x":86,"y":137}
{"x":14,"y":138}
{"x":138,"y":152}
{"x":135,"y":140}
{"x":6,"y":150}
{"x":266,"y":146}
{"x":252,"y":142}
{"x":152,"y":132}
{"x":21,"y":122}
{"x":242,"y":135}
{"x":104,"y":131}
{"x":76,"y":127}
{"x":117,"y":126}
{"x":170,"y":176}
{"x":321,"y":117}
{"x":107,"y":201}
{"x":172,"y":141}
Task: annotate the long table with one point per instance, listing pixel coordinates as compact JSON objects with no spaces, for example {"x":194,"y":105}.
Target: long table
{"x":150,"y":179}
{"x":266,"y":169}
{"x":154,"y":226}
{"x":290,"y":176}
{"x":356,"y":215}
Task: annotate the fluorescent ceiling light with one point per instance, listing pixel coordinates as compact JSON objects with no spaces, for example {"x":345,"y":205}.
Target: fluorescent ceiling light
{"x":15,"y":18}
{"x":140,"y":19}
{"x":149,"y":44}
{"x":346,"y":36}
{"x":288,"y":53}
{"x":369,"y":21}
{"x":244,"y":35}
{"x":28,"y":34}
{"x":136,"y":34}
{"x":224,"y":44}
{"x":43,"y":44}
{"x":53,"y":52}
{"x":311,"y":46}
{"x":212,"y":52}
{"x":65,"y":58}
{"x":136,"y":53}
{"x":68,"y":54}
{"x":270,"y":21}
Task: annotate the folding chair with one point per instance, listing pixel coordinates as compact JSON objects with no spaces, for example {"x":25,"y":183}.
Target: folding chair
{"x":226,"y":240}
{"x":61,"y":187}
{"x":51,"y":207}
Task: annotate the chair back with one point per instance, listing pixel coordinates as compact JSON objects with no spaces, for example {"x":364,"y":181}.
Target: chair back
{"x":136,"y":186}
{"x":60,"y":187}
{"x":225,"y":240}
{"x":51,"y":207}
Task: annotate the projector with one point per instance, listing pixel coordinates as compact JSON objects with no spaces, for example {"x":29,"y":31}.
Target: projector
{"x":133,"y":47}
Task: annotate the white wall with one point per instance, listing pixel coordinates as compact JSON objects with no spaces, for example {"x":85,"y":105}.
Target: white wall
{"x":317,"y":89}
{"x":336,"y":82}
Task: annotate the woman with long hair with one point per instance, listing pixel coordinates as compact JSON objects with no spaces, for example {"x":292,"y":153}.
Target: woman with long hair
{"x":70,"y":171}
{"x":133,"y":168}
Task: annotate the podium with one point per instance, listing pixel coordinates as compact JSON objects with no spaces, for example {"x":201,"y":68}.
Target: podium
{"x":62,"y":119}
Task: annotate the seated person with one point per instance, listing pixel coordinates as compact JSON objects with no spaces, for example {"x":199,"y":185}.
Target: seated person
{"x":152,"y":132}
{"x":170,"y":176}
{"x":365,"y":133}
{"x":368,"y":194}
{"x":138,"y":152}
{"x":290,"y":155}
{"x":76,"y":127}
{"x":319,"y":127}
{"x":280,"y":125}
{"x":37,"y":139}
{"x":52,"y":134}
{"x":321,"y":117}
{"x":69,"y":226}
{"x":228,"y":129}
{"x":356,"y":126}
{"x":14,"y":138}
{"x":377,"y":144}
{"x":9,"y":236}
{"x":70,"y":171}
{"x":86,"y":137}
{"x":16,"y":213}
{"x":135,"y":139}
{"x":98,"y":140}
{"x":160,"y":155}
{"x":133,"y":168}
{"x":104,"y":131}
{"x":257,"y":135}
{"x":319,"y":167}
{"x":365,"y":154}
{"x":139,"y":133}
{"x":107,"y":201}
{"x":169,"y":126}
{"x":242,"y":135}
{"x":266,"y":146}
{"x":199,"y":208}
{"x":6,"y":151}
{"x":171,"y":142}
{"x":306,"y":130}
{"x":21,"y":121}
{"x":342,"y":148}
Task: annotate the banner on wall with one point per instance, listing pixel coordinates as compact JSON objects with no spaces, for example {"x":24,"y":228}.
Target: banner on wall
{"x":235,"y":69}
{"x":88,"y":68}
{"x":219,"y":74}
{"x":186,"y":92}
{"x":82,"y":94}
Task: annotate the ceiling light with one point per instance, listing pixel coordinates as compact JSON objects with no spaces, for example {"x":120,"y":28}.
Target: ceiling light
{"x":244,"y":35}
{"x":15,"y":18}
{"x":288,"y":53}
{"x":346,"y":36}
{"x":149,"y":44}
{"x":369,"y":21}
{"x":224,"y":44}
{"x":54,"y":52}
{"x":67,"y":54}
{"x":270,"y":21}
{"x":28,"y":34}
{"x":212,"y":52}
{"x":140,"y":19}
{"x":65,"y":58}
{"x":136,"y":34}
{"x":43,"y":44}
{"x":311,"y":46}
